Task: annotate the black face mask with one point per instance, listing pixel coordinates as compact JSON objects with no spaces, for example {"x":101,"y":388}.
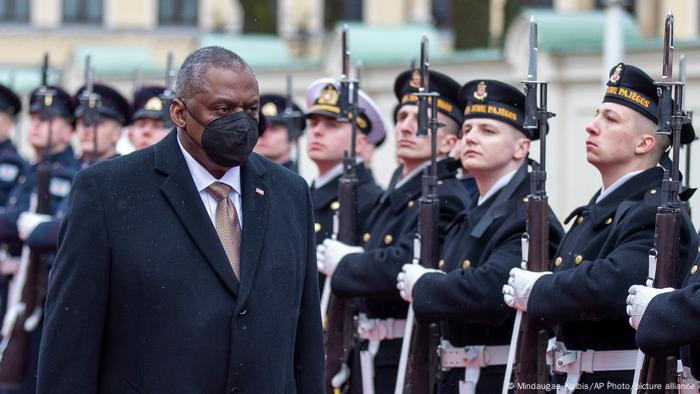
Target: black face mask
{"x":228,"y":140}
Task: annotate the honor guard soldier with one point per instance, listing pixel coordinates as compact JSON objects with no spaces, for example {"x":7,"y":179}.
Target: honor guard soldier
{"x":50,"y":135}
{"x":114,"y":114}
{"x":606,"y":249}
{"x":147,"y":117}
{"x":12,"y":165}
{"x":99,"y":142}
{"x":667,"y":322}
{"x":369,"y":272}
{"x":278,"y":140}
{"x":328,"y":140}
{"x":482,"y":245}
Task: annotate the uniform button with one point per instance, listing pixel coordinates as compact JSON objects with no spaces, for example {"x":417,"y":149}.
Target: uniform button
{"x":317,"y":227}
{"x":580,"y":219}
{"x":441,"y":263}
{"x":608,"y":220}
{"x":335,"y":205}
{"x":557,"y":261}
{"x":235,"y":390}
{"x":652,"y":191}
{"x":439,"y":183}
{"x":13,"y":200}
{"x":698,"y":248}
{"x":578,"y":259}
{"x":411,"y":203}
{"x":243,"y":311}
{"x":388,"y":239}
{"x":22,"y":179}
{"x":694,"y":269}
{"x":525,"y":199}
{"x":366,"y":237}
{"x":466,"y":264}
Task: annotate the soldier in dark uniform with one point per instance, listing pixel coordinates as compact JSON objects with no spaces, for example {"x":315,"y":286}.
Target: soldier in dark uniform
{"x":114,"y":114}
{"x":147,"y":123}
{"x":369,"y":271}
{"x":278,"y":140}
{"x":667,"y":322}
{"x":12,"y":165}
{"x":606,"y":249}
{"x":328,"y":140}
{"x":482,"y":244}
{"x":51,"y":141}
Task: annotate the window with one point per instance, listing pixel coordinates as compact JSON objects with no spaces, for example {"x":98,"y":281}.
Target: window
{"x":342,"y":10}
{"x":14,"y":11}
{"x":178,"y":12}
{"x":84,"y":12}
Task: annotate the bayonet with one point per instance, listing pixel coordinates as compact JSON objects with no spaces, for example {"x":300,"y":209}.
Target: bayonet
{"x":344,"y":77}
{"x":168,"y":94}
{"x":423,"y":89}
{"x":530,"y":121}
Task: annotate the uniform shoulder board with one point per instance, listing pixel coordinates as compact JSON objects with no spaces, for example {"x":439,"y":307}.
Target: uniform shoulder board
{"x":59,"y":187}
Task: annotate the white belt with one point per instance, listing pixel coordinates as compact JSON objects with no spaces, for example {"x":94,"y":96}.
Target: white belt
{"x":471,"y":356}
{"x":380,"y":329}
{"x":472,"y":359}
{"x":575,"y":362}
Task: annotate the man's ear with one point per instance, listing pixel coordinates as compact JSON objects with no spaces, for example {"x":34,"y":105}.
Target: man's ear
{"x":177,"y":113}
{"x":522,"y":148}
{"x":646,"y":143}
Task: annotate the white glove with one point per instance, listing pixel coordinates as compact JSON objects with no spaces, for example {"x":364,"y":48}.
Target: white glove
{"x":28,"y":221}
{"x":408,"y":278}
{"x":640,"y":296}
{"x":329,"y":254}
{"x":517,"y":291}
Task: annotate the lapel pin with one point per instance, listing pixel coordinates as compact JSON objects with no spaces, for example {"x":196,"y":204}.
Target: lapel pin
{"x":260,"y":191}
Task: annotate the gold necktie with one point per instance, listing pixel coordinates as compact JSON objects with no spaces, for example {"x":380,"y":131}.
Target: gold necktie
{"x":227,"y":225}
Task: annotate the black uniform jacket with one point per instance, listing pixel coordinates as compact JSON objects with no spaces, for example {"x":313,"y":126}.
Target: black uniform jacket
{"x":142,"y":298}
{"x":388,"y":243}
{"x":604,"y":252}
{"x":482,"y":246}
{"x":326,"y":202}
{"x":672,"y":322}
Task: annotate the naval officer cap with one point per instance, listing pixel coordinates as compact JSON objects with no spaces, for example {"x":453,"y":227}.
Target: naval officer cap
{"x":323,"y":98}
{"x":60,"y":103}
{"x":485,"y":98}
{"x":635,"y":89}
{"x":112,"y":104}
{"x":272,"y":108}
{"x":148,"y":104}
{"x":9,"y":101}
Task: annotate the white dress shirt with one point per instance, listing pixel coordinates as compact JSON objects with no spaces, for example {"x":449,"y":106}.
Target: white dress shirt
{"x":604,"y":192}
{"x":500,"y":184}
{"x":202,"y":179}
{"x":324,"y":179}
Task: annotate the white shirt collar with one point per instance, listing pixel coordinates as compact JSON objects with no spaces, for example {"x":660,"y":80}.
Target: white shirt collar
{"x":412,"y":174}
{"x":604,"y":192}
{"x":202,"y":178}
{"x":324,"y":179}
{"x":500,"y":184}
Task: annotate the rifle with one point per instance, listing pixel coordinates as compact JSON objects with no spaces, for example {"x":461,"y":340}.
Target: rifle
{"x":136,"y":81}
{"x":291,"y":119}
{"x":340,"y":339}
{"x":91,"y":101}
{"x":418,"y":360}
{"x":655,"y":374}
{"x":168,"y":94}
{"x":528,"y":346}
{"x":28,"y":287}
{"x":682,"y":77}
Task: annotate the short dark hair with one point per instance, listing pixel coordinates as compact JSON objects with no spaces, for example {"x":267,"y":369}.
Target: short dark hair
{"x":190,"y":78}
